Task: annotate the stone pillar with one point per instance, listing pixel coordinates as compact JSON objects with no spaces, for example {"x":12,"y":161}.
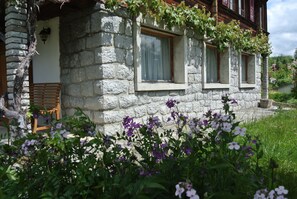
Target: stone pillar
{"x":16,"y":42}
{"x":265,"y":102}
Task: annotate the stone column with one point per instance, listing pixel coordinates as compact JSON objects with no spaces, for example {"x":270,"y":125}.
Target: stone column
{"x":265,"y":102}
{"x":16,"y":42}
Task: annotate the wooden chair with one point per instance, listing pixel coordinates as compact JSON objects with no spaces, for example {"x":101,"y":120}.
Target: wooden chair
{"x":45,"y":96}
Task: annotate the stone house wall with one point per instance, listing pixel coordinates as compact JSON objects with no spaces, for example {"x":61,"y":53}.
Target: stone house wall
{"x":16,"y":48}
{"x":98,"y":72}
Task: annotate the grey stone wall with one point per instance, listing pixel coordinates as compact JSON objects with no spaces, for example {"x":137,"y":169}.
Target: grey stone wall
{"x":97,"y":74}
{"x":16,"y":47}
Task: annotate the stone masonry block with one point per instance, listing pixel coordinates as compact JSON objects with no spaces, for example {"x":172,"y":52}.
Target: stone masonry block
{"x":78,"y":75}
{"x":108,"y":102}
{"x":122,"y":41}
{"x":108,"y":71}
{"x":93,"y":72}
{"x":16,"y":10}
{"x":87,"y":89}
{"x":112,"y":129}
{"x":109,"y":55}
{"x":16,"y":35}
{"x":86,"y":58}
{"x":91,"y":103}
{"x":17,"y":16}
{"x":73,"y":90}
{"x":113,"y":116}
{"x":115,"y":87}
{"x":127,"y":101}
{"x":152,"y":109}
{"x":15,"y":22}
{"x":76,"y":102}
{"x":112,"y":24}
{"x":16,"y":53}
{"x":123,"y":72}
{"x":140,"y":111}
{"x":16,"y":46}
{"x":98,"y":117}
{"x":100,"y":39}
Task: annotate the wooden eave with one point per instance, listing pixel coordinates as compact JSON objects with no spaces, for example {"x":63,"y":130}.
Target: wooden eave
{"x":50,"y":10}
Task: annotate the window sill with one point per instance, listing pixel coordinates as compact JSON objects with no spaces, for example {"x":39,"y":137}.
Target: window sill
{"x":160,"y":86}
{"x":215,"y":86}
{"x":247,"y":85}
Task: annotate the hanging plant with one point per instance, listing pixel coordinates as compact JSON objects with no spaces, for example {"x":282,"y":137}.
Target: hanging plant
{"x":198,"y":20}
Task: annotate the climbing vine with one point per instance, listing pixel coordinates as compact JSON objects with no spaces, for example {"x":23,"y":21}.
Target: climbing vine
{"x":198,"y":20}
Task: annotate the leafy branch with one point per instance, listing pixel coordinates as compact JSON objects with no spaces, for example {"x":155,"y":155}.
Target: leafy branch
{"x":198,"y":20}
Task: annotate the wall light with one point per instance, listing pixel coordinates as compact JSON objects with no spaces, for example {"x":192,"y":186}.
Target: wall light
{"x":44,"y":33}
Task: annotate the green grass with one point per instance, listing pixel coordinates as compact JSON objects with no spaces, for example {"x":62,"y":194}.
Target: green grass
{"x":278,"y":135}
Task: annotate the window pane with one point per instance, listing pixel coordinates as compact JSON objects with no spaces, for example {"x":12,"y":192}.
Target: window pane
{"x":211,"y":65}
{"x":244,"y":68}
{"x":155,"y":58}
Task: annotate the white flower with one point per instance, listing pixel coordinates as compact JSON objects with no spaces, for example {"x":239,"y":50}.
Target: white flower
{"x":233,"y":145}
{"x":259,"y":196}
{"x":280,"y":197}
{"x":225,"y":117}
{"x":179,"y":190}
{"x":239,"y":131}
{"x":281,"y":190}
{"x":226,"y":127}
{"x":192,"y":194}
{"x":271,"y":194}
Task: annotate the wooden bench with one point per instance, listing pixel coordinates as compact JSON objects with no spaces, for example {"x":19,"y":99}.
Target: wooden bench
{"x":45,"y":96}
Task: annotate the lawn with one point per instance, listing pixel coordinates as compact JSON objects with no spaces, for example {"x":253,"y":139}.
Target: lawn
{"x":278,"y":135}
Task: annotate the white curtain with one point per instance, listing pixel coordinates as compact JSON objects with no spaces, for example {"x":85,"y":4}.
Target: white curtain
{"x":155,"y":58}
{"x":211,"y":65}
{"x":243,"y":68}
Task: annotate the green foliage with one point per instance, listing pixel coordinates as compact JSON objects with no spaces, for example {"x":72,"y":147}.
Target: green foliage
{"x":279,"y":142}
{"x":281,"y":70}
{"x":198,"y":20}
{"x":211,"y":154}
{"x":280,"y":97}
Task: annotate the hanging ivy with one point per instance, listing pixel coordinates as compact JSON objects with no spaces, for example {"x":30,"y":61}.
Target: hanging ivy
{"x":198,"y":20}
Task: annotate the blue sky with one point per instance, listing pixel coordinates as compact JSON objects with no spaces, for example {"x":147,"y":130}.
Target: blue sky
{"x":282,"y":25}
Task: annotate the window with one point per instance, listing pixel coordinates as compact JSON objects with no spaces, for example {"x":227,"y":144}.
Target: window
{"x":230,"y":4}
{"x":247,"y":73}
{"x":212,"y":64}
{"x":252,"y":10}
{"x":216,"y":67}
{"x":160,"y":56}
{"x":242,"y":10}
{"x":156,"y":56}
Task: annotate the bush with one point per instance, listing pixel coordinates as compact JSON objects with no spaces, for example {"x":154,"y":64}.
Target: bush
{"x":280,"y":97}
{"x":210,"y":157}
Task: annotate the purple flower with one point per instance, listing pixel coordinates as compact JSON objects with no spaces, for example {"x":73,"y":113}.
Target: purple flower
{"x":234,"y":101}
{"x":130,"y":125}
{"x":28,"y":145}
{"x":171,"y":103}
{"x":153,"y":122}
{"x":188,"y":151}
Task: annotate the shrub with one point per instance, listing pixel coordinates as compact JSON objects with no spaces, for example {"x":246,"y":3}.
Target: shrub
{"x":208,"y":157}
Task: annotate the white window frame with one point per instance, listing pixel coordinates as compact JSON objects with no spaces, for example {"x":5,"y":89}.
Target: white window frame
{"x":251,"y":71}
{"x":180,"y":79}
{"x":225,"y":74}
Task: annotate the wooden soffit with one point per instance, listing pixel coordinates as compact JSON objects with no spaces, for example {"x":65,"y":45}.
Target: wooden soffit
{"x":49,"y":9}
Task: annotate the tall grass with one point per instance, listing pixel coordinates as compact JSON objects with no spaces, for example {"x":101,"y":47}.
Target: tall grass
{"x":278,"y":135}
